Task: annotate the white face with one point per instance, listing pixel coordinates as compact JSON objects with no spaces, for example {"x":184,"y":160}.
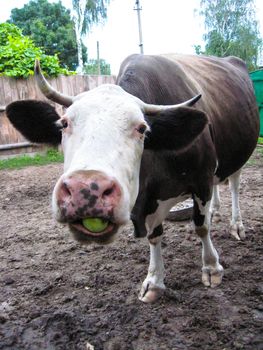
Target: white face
{"x":104,"y":132}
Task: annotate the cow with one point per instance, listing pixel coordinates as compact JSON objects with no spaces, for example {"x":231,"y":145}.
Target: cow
{"x":172,"y":127}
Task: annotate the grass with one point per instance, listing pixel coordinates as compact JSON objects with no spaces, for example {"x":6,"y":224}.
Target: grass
{"x":260,"y":140}
{"x":51,"y":156}
{"x":257,"y":157}
{"x":260,"y":151}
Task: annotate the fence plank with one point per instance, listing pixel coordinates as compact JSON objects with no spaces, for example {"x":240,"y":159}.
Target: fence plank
{"x":19,"y":89}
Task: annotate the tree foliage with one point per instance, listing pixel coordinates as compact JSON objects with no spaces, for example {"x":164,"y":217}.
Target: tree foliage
{"x":232,"y":29}
{"x":85,"y":14}
{"x":91,"y":67}
{"x":92,"y":11}
{"x":51,"y":27}
{"x":18,"y":54}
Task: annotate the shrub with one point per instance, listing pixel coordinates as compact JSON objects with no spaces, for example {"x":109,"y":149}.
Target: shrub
{"x":18,"y":54}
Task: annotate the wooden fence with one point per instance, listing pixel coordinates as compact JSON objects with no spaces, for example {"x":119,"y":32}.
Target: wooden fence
{"x":11,"y":141}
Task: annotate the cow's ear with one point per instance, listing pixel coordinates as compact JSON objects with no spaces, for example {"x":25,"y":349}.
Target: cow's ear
{"x":35,"y":120}
{"x":174,"y":129}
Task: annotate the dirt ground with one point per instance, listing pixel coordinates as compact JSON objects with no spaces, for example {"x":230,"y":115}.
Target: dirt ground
{"x":57,"y":294}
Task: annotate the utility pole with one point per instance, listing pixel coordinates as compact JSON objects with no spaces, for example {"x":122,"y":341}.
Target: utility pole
{"x":138,"y":9}
{"x":98,"y":57}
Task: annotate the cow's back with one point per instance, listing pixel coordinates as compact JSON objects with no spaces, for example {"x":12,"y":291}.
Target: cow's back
{"x":227,"y":98}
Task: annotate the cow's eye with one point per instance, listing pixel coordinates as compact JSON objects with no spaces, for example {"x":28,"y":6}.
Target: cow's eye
{"x":141,"y":129}
{"x":64,"y":123}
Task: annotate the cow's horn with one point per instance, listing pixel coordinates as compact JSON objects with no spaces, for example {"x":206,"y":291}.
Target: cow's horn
{"x":48,"y":90}
{"x":153,"y":109}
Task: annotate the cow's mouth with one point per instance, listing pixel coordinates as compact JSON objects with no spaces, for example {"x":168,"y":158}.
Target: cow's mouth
{"x":84,"y":235}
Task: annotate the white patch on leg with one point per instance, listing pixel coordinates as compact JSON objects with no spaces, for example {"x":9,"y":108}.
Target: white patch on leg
{"x":212,"y":271}
{"x":204,"y":210}
{"x":215,"y":204}
{"x":153,"y":285}
{"x":155,"y":219}
{"x":237,"y":229}
{"x":236,"y":226}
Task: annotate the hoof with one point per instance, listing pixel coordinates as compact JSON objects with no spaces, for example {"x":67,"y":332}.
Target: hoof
{"x":212,"y":277}
{"x":237,"y":230}
{"x":151,"y":293}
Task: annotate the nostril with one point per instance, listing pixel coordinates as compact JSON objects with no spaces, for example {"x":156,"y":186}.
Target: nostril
{"x":108,"y":192}
{"x":65,"y":189}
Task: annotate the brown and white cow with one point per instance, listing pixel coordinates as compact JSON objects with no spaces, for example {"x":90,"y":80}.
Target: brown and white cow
{"x":135,"y":149}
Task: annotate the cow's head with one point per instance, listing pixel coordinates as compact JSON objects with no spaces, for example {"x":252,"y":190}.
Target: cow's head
{"x":103,"y":135}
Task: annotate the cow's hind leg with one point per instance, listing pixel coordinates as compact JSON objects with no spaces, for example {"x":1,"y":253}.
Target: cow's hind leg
{"x":215,"y":204}
{"x":153,"y":285}
{"x":212,"y":271}
{"x":236,"y":226}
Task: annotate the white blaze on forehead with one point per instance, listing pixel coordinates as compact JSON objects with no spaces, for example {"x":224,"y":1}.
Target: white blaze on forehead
{"x":102,"y":136}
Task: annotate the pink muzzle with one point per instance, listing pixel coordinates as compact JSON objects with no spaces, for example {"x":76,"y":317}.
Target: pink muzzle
{"x":86,"y":194}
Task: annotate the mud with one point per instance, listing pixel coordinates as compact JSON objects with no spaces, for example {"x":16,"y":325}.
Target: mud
{"x":57,"y":294}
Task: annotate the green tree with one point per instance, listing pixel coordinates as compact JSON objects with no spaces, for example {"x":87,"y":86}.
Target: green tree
{"x":51,"y":27}
{"x":18,"y":54}
{"x":91,"y":67}
{"x":85,"y":14}
{"x":232,"y":29}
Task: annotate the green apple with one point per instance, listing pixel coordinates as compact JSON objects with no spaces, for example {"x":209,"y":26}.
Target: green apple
{"x":95,"y":224}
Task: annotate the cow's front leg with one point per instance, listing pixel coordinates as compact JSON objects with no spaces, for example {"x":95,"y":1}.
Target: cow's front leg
{"x":212,"y":271}
{"x":153,"y":285}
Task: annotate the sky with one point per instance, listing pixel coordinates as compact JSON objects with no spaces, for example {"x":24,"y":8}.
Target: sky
{"x":167,"y":26}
